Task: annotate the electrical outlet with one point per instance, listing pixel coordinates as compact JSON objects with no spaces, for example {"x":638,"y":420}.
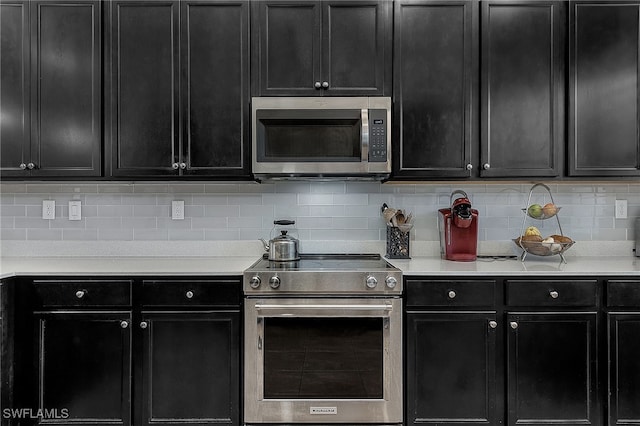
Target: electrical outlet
{"x":48,"y":209}
{"x":75,"y":210}
{"x":621,"y":209}
{"x":177,"y":210}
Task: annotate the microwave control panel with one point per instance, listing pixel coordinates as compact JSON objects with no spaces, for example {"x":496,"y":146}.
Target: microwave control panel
{"x":378,"y":135}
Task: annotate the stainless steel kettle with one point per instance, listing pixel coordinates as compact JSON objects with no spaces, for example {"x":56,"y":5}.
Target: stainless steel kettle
{"x":283,"y":248}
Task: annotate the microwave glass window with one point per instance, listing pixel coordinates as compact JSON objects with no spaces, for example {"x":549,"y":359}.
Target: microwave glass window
{"x":307,"y":358}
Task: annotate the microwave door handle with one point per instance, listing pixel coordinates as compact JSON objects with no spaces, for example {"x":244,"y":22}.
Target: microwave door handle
{"x":364,"y":114}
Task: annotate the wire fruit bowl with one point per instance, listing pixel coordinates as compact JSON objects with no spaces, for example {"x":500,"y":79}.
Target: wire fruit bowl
{"x":540,"y":248}
{"x":542,"y":216}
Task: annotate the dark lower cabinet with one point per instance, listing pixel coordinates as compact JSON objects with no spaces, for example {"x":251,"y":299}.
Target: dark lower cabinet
{"x":190,"y":368}
{"x":624,"y":368}
{"x":51,"y":85}
{"x":604,"y":75}
{"x":552,"y":368}
{"x":451,"y":368}
{"x":84,"y":367}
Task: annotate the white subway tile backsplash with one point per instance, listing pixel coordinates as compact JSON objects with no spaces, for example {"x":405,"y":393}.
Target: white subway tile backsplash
{"x":322,"y":210}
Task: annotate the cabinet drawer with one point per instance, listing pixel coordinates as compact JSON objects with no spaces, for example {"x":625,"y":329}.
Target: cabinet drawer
{"x":623,"y":293}
{"x":551,"y":292}
{"x":191,"y":292}
{"x":450,"y":293}
{"x":82,"y":293}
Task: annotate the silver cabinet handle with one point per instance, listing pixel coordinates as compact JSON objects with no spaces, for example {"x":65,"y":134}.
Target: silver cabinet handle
{"x":513,"y":324}
{"x":183,"y":166}
{"x":554,"y":294}
{"x":451,"y":294}
{"x":317,"y":85}
{"x":469,"y":167}
{"x":175,"y":166}
{"x":144,"y":324}
{"x":189,"y":294}
{"x":31,"y":166}
{"x":486,"y":166}
{"x":80,"y":293}
{"x":23,"y":166}
{"x":493,"y":324}
{"x":325,"y":84}
{"x":124,"y":324}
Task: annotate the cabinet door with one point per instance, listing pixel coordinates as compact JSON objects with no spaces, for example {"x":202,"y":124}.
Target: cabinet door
{"x":624,"y":373}
{"x":144,"y":76}
{"x":66,"y":87}
{"x":215,"y":67}
{"x":356,"y":47}
{"x":84,"y":366}
{"x":286,"y":47}
{"x":604,"y":139}
{"x":451,"y":368}
{"x":14,"y":86}
{"x":435,"y":83}
{"x":552,"y":369}
{"x":197,"y":384}
{"x":522,"y":84}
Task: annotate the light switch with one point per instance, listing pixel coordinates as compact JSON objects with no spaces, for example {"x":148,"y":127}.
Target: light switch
{"x":75,"y":210}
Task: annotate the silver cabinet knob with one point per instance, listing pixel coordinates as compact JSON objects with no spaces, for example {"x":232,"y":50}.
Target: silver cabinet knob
{"x":124,"y":324}
{"x":175,"y":166}
{"x":80,"y":293}
{"x":469,"y":167}
{"x":274,"y":282}
{"x":451,"y":294}
{"x":325,"y":84}
{"x":23,"y":166}
{"x":486,"y":166}
{"x":391,"y":282}
{"x":144,"y":324}
{"x":317,"y":85}
{"x":513,"y":324}
{"x":372,"y":282}
{"x":493,"y":324}
{"x":255,"y":282}
{"x":31,"y":166}
{"x":189,"y":294}
{"x":554,"y":294}
{"x":183,"y":166}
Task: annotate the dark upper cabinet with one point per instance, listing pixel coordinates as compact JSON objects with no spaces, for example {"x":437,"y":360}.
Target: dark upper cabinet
{"x":435,"y":84}
{"x":442,"y":63}
{"x":552,"y":368}
{"x":315,"y":48}
{"x":51,"y":88}
{"x":604,"y":139}
{"x":176,"y":64}
{"x":522,"y":85}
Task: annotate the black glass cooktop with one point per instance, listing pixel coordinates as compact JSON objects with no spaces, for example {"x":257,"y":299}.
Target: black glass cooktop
{"x":317,"y":262}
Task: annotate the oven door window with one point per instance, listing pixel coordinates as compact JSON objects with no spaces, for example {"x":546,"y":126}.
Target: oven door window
{"x":308,"y":135}
{"x":328,"y":358}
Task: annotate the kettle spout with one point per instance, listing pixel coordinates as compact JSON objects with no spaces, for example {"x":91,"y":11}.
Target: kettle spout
{"x":266,"y":244}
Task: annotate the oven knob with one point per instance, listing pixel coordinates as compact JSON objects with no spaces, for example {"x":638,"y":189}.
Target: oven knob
{"x":254,"y":282}
{"x":391,"y":282}
{"x":274,"y":282}
{"x":372,"y":282}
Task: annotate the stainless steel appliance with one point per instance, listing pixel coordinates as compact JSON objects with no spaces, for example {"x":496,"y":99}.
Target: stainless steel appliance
{"x":328,"y":137}
{"x":323,"y":341}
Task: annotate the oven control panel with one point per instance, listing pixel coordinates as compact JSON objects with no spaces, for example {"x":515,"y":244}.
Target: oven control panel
{"x":324,"y":283}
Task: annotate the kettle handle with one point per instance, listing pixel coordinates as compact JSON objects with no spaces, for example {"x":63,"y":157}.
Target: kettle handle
{"x":457,"y":191}
{"x":284,"y":222}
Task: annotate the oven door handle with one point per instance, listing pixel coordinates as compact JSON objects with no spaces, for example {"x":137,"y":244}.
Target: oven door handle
{"x":329,"y":308}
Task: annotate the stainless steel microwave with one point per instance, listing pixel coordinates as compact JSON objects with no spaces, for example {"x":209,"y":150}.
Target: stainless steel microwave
{"x":321,"y":137}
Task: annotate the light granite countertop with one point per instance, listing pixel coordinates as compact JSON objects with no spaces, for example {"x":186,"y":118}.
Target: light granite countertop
{"x":235,"y":265}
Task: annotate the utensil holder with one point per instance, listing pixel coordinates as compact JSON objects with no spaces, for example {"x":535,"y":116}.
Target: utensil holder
{"x":397,"y":243}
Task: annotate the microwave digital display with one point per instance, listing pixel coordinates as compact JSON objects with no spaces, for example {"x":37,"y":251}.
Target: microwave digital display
{"x":378,"y":121}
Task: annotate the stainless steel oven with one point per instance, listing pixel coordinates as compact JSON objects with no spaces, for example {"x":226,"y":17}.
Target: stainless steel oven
{"x":323,"y":345}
